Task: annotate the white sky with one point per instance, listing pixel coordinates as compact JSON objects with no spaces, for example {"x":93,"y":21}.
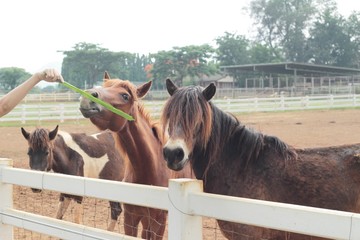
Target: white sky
{"x":32,"y":31}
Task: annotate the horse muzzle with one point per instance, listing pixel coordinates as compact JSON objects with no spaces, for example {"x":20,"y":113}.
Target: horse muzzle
{"x":175,"y":158}
{"x":89,"y":108}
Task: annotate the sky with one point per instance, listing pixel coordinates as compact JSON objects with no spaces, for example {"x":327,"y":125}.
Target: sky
{"x":34,"y":31}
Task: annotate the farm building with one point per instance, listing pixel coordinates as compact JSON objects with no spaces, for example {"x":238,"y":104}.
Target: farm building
{"x":297,"y":78}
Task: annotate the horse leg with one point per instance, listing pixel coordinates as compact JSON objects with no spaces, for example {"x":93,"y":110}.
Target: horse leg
{"x":131,"y":221}
{"x":146,"y":231}
{"x":78,"y":212}
{"x":154,"y":225}
{"x":115,"y":212}
{"x":63,"y":205}
{"x":158,"y":225}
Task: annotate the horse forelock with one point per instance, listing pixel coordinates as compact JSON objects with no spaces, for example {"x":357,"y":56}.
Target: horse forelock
{"x":39,"y":139}
{"x":189,"y":111}
{"x":119,"y":83}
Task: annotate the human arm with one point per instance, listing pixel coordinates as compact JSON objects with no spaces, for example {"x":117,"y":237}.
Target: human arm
{"x":11,"y":99}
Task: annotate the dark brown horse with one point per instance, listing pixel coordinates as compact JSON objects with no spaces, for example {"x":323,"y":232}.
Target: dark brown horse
{"x":76,"y":154}
{"x":140,"y":141}
{"x":234,"y":160}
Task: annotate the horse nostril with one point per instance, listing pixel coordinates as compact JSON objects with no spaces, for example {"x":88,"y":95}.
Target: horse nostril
{"x":166,"y":153}
{"x":95,"y":94}
{"x":179,"y":153}
{"x":173,"y":155}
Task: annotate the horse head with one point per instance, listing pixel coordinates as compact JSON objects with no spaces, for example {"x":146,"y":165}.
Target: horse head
{"x":187,"y":120}
{"x":40,"y":151}
{"x":121,"y":94}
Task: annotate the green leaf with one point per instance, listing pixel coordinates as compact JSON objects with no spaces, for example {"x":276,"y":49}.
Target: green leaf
{"x":94,"y":99}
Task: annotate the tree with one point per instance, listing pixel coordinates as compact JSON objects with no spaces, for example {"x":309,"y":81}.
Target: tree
{"x":85,"y":65}
{"x":260,"y":53}
{"x":128,"y":66}
{"x":284,"y":25}
{"x":180,"y":62}
{"x":236,"y":50}
{"x":12,"y":77}
{"x":331,"y":40}
{"x":232,"y":49}
{"x":353,"y":30}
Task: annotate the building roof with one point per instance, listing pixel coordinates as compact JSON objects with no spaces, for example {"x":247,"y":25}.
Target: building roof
{"x":292,"y":68}
{"x":217,"y":78}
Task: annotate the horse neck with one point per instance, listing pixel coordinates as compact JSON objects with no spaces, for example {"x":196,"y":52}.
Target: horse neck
{"x":61,"y":157}
{"x":143,"y":150}
{"x":223,"y":127}
{"x":59,"y":161}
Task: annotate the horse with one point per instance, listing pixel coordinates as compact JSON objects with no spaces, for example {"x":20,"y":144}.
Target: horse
{"x":235,"y":160}
{"x":76,"y":154}
{"x":140,"y":142}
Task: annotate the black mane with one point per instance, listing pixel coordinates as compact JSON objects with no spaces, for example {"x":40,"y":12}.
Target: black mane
{"x":229,"y":138}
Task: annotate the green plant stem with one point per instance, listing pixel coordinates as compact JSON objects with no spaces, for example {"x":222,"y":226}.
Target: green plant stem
{"x":102,"y":103}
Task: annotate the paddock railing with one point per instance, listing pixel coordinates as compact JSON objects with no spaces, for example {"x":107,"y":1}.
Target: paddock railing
{"x":184,"y":200}
{"x":70,"y":111}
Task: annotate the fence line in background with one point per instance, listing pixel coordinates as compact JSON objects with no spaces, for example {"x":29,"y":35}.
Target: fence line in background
{"x":70,"y":111}
{"x":184,"y":199}
{"x":322,"y":86}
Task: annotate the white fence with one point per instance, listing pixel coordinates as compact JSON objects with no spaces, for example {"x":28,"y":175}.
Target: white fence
{"x":184,"y":201}
{"x":70,"y":111}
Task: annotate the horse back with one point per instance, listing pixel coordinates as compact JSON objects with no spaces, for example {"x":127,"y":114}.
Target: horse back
{"x":94,"y":155}
{"x":322,"y":177}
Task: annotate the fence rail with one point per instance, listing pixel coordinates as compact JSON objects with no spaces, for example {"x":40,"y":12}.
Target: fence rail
{"x":70,"y":111}
{"x":184,"y":201}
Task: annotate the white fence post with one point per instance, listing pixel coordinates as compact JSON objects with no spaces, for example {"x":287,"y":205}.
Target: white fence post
{"x":6,"y":193}
{"x":62,"y":113}
{"x":183,"y":225}
{"x":23,"y":114}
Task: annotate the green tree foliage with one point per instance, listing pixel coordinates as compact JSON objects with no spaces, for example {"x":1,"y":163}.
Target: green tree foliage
{"x":11,"y":77}
{"x":233,"y":49}
{"x":284,"y":25}
{"x":335,"y":40}
{"x":85,"y":65}
{"x":260,"y":53}
{"x":128,"y":66}
{"x":353,"y":31}
{"x":236,"y":50}
{"x":308,"y":31}
{"x":181,"y":62}
{"x":329,"y":42}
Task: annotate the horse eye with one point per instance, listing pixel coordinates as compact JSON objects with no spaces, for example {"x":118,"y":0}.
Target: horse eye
{"x":46,"y":153}
{"x":125,"y":96}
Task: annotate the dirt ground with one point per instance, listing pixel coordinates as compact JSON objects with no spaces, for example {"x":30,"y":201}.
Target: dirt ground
{"x":301,"y":129}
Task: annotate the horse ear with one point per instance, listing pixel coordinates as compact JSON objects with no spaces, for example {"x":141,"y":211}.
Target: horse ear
{"x":106,"y":75}
{"x":170,"y":86}
{"x":25,"y":133}
{"x":143,"y":89}
{"x":53,"y":133}
{"x":209,"y":91}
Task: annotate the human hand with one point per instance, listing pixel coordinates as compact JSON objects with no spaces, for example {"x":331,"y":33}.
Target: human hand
{"x":50,"y":75}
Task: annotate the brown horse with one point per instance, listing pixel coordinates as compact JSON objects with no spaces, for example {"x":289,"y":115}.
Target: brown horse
{"x":76,"y":154}
{"x":140,"y":141}
{"x":234,"y":160}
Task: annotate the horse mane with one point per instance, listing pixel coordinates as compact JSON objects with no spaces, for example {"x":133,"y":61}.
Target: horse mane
{"x":236,"y":139}
{"x":39,"y":139}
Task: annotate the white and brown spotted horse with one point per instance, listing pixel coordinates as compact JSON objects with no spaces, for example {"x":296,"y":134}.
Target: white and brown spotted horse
{"x":76,"y":154}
